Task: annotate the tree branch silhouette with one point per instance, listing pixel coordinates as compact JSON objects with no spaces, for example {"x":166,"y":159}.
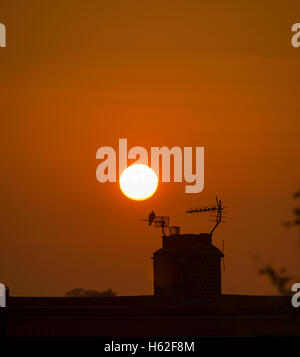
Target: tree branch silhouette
{"x":79,"y":292}
{"x":280,"y":279}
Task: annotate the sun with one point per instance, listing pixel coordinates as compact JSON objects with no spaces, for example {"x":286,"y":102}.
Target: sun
{"x":138,"y":182}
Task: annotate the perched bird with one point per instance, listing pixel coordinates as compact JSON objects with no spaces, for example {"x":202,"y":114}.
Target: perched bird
{"x":151,"y":217}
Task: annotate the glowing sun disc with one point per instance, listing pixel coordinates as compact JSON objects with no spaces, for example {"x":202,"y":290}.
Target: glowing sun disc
{"x":138,"y":182}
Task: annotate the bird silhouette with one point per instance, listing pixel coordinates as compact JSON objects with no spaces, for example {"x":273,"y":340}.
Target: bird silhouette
{"x":151,"y":217}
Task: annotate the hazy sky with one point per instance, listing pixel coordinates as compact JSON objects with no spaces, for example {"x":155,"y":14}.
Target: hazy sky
{"x":78,"y":75}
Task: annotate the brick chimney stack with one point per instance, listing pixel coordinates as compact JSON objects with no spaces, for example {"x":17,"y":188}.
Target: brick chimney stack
{"x":187,"y":266}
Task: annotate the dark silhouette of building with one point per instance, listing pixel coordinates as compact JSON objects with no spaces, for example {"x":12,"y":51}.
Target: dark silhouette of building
{"x":187,"y":266}
{"x":187,"y":301}
{"x":145,"y":316}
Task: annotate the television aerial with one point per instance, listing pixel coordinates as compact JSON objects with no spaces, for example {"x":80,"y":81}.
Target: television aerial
{"x":158,"y":221}
{"x":215,"y":211}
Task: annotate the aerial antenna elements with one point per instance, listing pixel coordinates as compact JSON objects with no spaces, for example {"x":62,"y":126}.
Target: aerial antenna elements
{"x":214,"y":210}
{"x":158,"y":221}
{"x":163,"y":222}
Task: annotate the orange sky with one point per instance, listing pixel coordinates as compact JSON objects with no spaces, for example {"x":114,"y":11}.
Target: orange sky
{"x":77,"y":75}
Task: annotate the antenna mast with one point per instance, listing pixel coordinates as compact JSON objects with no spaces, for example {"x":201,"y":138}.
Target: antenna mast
{"x":216,"y":209}
{"x":159,"y":221}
